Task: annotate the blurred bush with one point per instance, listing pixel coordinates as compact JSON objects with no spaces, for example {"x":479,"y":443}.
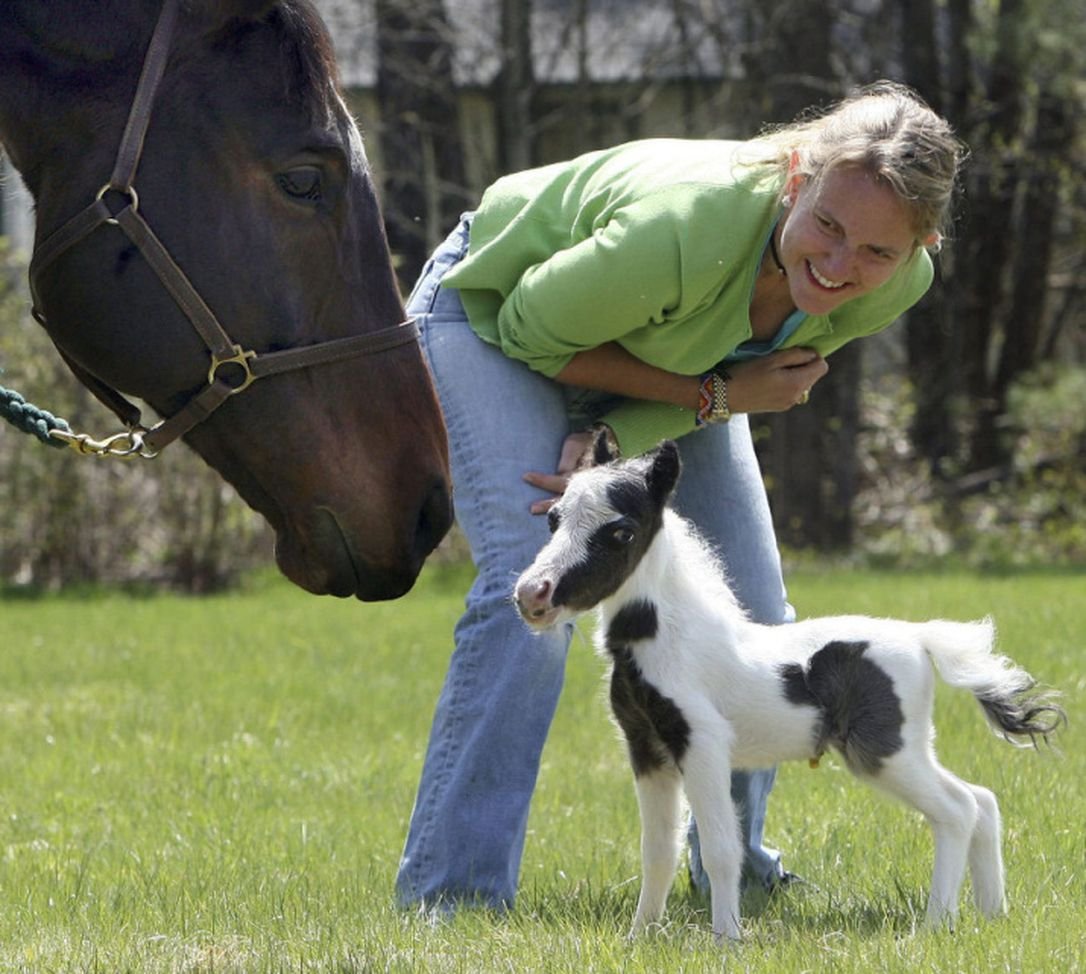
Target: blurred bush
{"x":67,"y":519}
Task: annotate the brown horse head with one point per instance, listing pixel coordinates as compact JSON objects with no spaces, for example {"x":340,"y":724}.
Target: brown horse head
{"x":254,"y":177}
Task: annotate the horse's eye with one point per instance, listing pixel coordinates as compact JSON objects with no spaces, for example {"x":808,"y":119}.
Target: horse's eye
{"x":301,"y":182}
{"x":622,"y":535}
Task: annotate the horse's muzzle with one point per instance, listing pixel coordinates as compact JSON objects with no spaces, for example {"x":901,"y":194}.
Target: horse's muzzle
{"x":328,"y":559}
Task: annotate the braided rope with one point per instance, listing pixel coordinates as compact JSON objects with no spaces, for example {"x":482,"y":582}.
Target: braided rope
{"x":31,"y":419}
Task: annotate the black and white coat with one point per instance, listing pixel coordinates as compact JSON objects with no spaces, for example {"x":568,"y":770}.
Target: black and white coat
{"x":698,"y":689}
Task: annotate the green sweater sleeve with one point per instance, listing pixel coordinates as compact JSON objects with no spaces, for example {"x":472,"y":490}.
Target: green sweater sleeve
{"x":625,"y":275}
{"x":639,"y":425}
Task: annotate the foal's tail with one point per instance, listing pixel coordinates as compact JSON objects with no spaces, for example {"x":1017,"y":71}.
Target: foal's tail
{"x":964,"y":654}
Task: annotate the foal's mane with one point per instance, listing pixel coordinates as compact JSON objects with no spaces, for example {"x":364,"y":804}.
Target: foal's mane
{"x":696,"y":559}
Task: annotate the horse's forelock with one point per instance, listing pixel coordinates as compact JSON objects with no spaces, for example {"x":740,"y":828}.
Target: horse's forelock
{"x":310,"y":54}
{"x":310,"y":74}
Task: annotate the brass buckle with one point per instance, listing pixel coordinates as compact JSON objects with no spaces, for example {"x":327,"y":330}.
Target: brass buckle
{"x":240,"y":358}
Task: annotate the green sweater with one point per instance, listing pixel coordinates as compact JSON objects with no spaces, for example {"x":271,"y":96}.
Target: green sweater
{"x":654,"y":245}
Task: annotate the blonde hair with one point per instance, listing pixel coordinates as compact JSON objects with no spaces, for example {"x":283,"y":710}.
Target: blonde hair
{"x":889,"y":132}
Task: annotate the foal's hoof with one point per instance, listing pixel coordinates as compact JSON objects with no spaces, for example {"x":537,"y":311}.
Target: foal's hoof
{"x":787,"y":880}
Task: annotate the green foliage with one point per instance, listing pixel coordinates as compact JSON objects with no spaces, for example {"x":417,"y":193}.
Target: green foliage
{"x":1034,"y":514}
{"x":1025,"y":514}
{"x":223,"y":784}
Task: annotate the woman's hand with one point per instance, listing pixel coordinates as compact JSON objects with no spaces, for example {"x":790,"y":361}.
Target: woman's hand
{"x":775,"y":382}
{"x":771,"y":384}
{"x":573,"y":448}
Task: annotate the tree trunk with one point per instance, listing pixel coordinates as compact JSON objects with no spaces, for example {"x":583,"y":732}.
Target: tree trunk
{"x":514,"y":88}
{"x":809,"y":453}
{"x":1052,"y":143}
{"x":423,"y":183}
{"x":929,"y":339}
{"x":989,"y":242}
{"x":809,"y":458}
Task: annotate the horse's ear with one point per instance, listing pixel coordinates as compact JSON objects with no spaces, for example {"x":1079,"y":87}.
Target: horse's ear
{"x":663,"y":473}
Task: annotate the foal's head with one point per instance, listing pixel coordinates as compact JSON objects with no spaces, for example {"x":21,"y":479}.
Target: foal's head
{"x":600,"y":530}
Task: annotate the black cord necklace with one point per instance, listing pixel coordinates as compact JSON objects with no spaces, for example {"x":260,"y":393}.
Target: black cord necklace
{"x":776,"y":256}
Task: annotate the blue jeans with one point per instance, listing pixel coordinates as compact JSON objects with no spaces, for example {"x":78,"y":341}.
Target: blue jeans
{"x":467,"y":830}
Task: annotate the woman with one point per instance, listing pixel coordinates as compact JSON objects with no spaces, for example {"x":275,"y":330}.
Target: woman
{"x":663,"y":288}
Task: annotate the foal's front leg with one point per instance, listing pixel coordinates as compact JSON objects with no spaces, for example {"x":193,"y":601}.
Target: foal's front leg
{"x":707,"y":782}
{"x":659,"y":796}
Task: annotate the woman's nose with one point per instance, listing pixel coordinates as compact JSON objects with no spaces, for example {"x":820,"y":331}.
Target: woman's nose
{"x":840,"y":263}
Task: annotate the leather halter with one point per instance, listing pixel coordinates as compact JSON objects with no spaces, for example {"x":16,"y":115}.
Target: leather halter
{"x":222,"y":380}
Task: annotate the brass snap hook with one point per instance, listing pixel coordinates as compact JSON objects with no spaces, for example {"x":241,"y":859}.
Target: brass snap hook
{"x":121,"y":445}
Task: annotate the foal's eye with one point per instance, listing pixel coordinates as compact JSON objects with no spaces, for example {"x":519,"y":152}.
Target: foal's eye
{"x":622,"y":535}
{"x":302,"y":182}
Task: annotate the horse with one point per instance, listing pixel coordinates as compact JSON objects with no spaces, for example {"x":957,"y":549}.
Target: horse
{"x":699,"y":689}
{"x":206,"y":217}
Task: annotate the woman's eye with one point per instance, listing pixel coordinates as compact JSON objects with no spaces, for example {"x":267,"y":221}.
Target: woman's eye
{"x":302,"y":182}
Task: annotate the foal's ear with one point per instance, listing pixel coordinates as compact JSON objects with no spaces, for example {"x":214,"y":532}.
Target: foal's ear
{"x":663,"y":474}
{"x":602,"y":450}
{"x":604,"y":447}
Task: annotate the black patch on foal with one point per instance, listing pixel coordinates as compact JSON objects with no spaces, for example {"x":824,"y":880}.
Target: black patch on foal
{"x":656,"y":730}
{"x":861,"y":712}
{"x":615,"y":548}
{"x":635,"y":620}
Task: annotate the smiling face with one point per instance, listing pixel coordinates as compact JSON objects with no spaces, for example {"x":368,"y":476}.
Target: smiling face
{"x":842,"y":237}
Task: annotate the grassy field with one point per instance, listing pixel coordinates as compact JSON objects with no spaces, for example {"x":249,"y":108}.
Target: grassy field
{"x":223,"y":785}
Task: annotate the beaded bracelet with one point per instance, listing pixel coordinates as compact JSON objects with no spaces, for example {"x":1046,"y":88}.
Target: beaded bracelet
{"x":713,"y":399}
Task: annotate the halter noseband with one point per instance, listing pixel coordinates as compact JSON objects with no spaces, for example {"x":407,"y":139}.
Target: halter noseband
{"x":224,"y":352}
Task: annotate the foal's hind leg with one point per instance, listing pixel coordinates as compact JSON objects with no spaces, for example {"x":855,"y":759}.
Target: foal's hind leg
{"x":659,"y":795}
{"x":950,"y":807}
{"x":986,"y":855}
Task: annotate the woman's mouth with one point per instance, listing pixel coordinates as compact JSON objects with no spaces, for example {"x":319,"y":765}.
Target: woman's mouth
{"x":823,"y":282}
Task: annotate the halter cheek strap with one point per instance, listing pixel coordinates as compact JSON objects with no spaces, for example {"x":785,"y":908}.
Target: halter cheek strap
{"x":232,"y":368}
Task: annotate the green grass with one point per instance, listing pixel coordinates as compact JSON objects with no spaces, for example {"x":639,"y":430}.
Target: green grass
{"x":223,"y":785}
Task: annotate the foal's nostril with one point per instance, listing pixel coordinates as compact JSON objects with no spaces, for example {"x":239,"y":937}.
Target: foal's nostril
{"x":533,"y":598}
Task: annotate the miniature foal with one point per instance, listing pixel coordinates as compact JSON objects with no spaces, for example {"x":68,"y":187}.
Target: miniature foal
{"x":698,"y":689}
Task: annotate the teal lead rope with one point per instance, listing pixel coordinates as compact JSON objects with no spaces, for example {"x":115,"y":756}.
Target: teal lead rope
{"x":30,"y":419}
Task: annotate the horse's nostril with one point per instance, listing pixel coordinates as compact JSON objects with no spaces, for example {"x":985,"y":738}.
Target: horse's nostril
{"x":435,"y":518}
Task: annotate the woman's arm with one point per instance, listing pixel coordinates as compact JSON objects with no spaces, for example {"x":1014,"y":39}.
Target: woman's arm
{"x":769,"y":384}
{"x":610,"y":368}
